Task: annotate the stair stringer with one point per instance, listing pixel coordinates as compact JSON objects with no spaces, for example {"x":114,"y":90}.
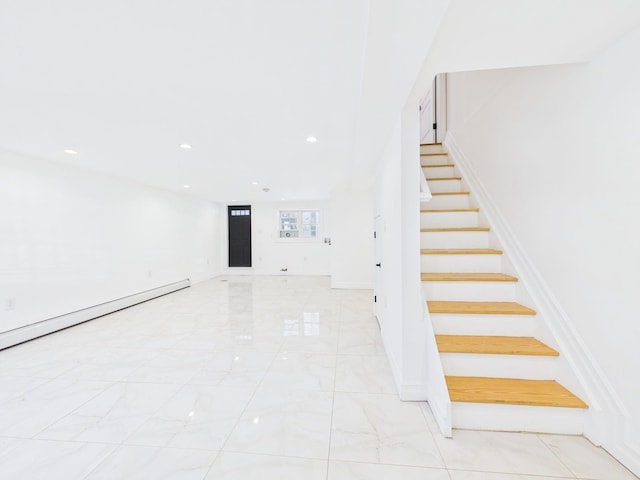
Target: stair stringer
{"x":577,"y":369}
{"x":437,"y":391}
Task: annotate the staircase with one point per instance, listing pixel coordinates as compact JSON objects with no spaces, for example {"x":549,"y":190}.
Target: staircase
{"x":499,"y":376}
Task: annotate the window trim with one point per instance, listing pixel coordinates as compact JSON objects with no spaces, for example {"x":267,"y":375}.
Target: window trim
{"x":299,"y":239}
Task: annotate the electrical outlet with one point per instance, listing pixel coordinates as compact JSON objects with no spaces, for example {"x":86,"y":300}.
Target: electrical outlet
{"x":9,"y":304}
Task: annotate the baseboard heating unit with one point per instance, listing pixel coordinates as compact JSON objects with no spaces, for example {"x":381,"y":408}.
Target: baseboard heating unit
{"x":50,"y":325}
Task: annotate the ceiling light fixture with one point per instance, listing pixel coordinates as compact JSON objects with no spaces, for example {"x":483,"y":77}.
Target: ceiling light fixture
{"x":254,"y":183}
{"x":186,"y":146}
{"x":311,"y":139}
{"x":70,"y":152}
{"x":187,"y":186}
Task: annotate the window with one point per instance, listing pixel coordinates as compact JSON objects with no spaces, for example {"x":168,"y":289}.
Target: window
{"x":299,"y":223}
{"x":240,"y":213}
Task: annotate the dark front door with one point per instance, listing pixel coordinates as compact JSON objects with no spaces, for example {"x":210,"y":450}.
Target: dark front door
{"x":239,"y":235}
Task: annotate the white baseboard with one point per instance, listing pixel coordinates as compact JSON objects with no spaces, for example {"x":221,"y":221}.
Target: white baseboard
{"x":396,"y":370}
{"x":205,"y":278}
{"x":605,"y":407}
{"x":258,"y":271}
{"x":238,"y":271}
{"x":628,"y":455}
{"x":352,"y":286}
{"x":413,"y":393}
{"x":44,"y":327}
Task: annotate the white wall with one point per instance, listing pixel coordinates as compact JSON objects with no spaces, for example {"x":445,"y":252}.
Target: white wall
{"x":558,"y":150}
{"x":352,"y":259}
{"x":397,"y":211}
{"x":270,"y":253}
{"x":70,"y":239}
{"x":387,"y":208}
{"x":346,"y":218}
{"x":399,"y":35}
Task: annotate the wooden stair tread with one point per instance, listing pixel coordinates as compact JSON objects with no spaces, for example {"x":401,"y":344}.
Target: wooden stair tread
{"x":460,"y":251}
{"x":467,"y":277}
{"x":439,"y":194}
{"x":433,"y":154}
{"x":456,"y":229}
{"x":449,"y":210}
{"x":493,"y":345}
{"x":513,"y":391}
{"x":445,"y":178}
{"x":440,"y":165}
{"x":479,"y":308}
{"x":429,"y":144}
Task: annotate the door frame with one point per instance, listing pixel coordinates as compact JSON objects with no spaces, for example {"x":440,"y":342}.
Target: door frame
{"x":433,"y":112}
{"x":231,"y":208}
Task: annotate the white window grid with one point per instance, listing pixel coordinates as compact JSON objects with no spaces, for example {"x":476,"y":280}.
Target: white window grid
{"x":299,"y":224}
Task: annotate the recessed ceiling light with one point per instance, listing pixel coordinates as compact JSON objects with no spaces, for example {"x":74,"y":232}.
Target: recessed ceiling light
{"x":282,"y":198}
{"x":312,"y":139}
{"x":187,"y":186}
{"x":70,"y":152}
{"x":186,"y":146}
{"x":254,"y":183}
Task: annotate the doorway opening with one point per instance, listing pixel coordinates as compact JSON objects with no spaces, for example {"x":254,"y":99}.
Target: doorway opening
{"x":433,"y":112}
{"x":239,"y":221}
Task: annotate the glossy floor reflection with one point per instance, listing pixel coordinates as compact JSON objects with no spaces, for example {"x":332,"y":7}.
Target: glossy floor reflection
{"x":245,"y":378}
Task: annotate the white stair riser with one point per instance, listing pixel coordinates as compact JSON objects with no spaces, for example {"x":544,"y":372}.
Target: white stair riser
{"x":448,"y":219}
{"x":461,"y":263}
{"x":440,"y":202}
{"x":528,"y":367}
{"x":517,"y":418}
{"x":445,"y":186}
{"x":470,"y":291}
{"x":431,"y":148}
{"x":439,"y":172}
{"x":434,"y":159}
{"x":506,"y":325}
{"x":454,"y":239}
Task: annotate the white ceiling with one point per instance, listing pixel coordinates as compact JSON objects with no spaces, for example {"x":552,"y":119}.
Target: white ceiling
{"x":125,"y":82}
{"x":509,"y":33}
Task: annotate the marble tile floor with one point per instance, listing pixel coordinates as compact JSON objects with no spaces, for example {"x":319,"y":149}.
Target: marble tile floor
{"x":245,"y":378}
